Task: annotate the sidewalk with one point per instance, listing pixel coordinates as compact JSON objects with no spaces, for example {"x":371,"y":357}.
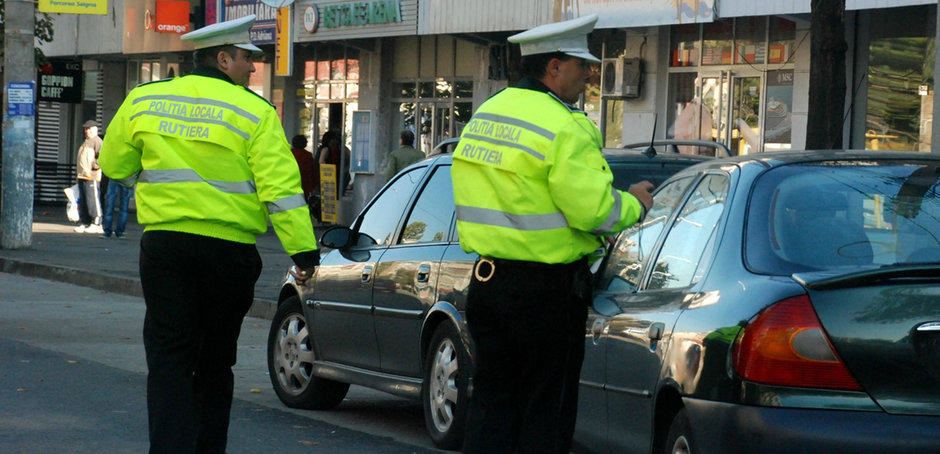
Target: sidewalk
{"x":59,"y":253}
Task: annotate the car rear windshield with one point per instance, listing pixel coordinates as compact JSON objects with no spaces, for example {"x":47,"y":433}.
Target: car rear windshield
{"x":627,"y":173}
{"x":843,"y":214}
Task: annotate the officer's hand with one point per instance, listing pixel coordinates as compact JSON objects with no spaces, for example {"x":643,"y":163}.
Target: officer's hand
{"x":301,"y":276}
{"x":642,"y":191}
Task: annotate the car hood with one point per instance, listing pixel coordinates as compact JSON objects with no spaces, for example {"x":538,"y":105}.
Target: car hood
{"x":885,"y":325}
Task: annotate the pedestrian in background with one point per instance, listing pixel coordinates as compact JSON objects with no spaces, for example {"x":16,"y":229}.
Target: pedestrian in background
{"x":89,"y":177}
{"x":118,"y":197}
{"x":309,"y":170}
{"x":212,"y":167}
{"x":404,"y":156}
{"x":332,"y":152}
{"x":534,"y":200}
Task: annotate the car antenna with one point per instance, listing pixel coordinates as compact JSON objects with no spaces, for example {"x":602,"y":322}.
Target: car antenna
{"x":651,"y":151}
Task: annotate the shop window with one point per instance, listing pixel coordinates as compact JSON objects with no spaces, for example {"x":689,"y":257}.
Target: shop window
{"x":463,"y":89}
{"x":900,"y":79}
{"x":352,"y":64}
{"x":403,"y":90}
{"x":440,"y":110}
{"x":896,"y":106}
{"x":685,"y":45}
{"x":750,"y":45}
{"x":782,"y":37}
{"x":443,"y":89}
{"x":717,"y":38}
{"x":425,"y":89}
{"x":323,"y":70}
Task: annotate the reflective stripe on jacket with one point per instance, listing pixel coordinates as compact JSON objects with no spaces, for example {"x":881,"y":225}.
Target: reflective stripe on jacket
{"x":209,"y":158}
{"x":530,"y":182}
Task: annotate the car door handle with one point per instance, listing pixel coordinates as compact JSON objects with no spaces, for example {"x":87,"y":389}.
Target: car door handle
{"x":424,"y":273}
{"x":655,"y":332}
{"x":597,"y":328}
{"x":366,"y":273}
{"x":929,"y":327}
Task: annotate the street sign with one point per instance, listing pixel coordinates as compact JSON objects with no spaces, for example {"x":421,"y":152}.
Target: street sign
{"x":21,"y":98}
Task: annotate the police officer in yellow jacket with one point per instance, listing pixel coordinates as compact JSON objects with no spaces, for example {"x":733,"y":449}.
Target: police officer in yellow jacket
{"x":534,"y":199}
{"x":212,"y":166}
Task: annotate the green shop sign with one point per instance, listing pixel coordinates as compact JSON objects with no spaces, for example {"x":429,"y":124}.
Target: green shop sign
{"x":360,"y":13}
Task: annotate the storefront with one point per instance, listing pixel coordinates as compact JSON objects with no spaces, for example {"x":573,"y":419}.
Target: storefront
{"x":731,"y":81}
{"x":341,"y":54}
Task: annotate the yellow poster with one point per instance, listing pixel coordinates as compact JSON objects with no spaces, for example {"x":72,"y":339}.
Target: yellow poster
{"x":282,"y":43}
{"x":328,"y":197}
{"x":74,"y":6}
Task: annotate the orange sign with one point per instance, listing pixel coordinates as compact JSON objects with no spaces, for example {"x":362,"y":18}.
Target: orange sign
{"x":172,"y":16}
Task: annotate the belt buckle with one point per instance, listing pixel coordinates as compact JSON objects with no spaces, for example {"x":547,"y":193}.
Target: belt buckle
{"x":476,"y":269}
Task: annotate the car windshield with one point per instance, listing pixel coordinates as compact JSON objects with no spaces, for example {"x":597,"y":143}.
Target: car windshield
{"x":843,"y":214}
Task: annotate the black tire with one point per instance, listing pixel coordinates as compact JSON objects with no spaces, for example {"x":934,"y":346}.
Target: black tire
{"x":290,"y":362}
{"x":679,"y":440}
{"x":447,"y":370}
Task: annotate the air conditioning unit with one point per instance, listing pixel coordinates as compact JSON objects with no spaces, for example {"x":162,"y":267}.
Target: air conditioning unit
{"x":620,"y":77}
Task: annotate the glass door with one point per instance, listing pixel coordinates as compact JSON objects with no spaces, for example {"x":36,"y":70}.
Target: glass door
{"x":715,"y":102}
{"x":734,"y":104}
{"x":745,"y":115}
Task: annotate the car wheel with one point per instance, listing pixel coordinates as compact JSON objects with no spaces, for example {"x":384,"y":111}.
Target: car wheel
{"x":290,"y":362}
{"x":446,"y":373}
{"x":679,"y":440}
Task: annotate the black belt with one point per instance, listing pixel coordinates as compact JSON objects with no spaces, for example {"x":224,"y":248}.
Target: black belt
{"x":484,"y":275}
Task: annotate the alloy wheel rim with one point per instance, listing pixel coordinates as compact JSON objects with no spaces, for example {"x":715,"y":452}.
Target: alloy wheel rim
{"x":442,"y":391}
{"x":681,"y":446}
{"x":293,"y":356}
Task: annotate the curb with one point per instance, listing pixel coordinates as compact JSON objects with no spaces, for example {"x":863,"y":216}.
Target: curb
{"x":261,"y":308}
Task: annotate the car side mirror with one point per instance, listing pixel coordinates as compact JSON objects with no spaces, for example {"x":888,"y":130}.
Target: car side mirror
{"x":337,"y":237}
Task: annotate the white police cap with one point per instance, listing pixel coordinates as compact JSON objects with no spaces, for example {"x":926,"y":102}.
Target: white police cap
{"x":568,"y":37}
{"x":229,"y":33}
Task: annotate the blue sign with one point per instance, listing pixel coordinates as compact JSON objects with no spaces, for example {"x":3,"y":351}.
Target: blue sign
{"x":362,"y":131}
{"x":21,"y":98}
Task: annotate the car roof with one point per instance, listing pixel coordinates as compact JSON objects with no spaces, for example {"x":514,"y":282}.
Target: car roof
{"x":617,"y":155}
{"x":612,"y":155}
{"x":781,"y":158}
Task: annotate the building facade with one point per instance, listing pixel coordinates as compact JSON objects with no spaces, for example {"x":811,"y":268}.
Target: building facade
{"x":734,"y":71}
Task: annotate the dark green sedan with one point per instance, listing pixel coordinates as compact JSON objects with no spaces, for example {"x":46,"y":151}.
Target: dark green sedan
{"x":773,"y":303}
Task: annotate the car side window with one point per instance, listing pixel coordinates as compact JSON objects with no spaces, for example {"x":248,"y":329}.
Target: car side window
{"x":431,"y":216}
{"x":690,"y":234}
{"x":625,"y":265}
{"x":378,"y":223}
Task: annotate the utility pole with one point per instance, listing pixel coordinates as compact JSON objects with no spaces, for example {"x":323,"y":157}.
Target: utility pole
{"x":19,"y":120}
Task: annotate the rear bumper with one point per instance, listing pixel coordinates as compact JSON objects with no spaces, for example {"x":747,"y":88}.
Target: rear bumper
{"x":723,"y":428}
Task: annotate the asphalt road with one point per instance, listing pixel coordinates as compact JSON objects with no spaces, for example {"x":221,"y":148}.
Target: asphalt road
{"x":73,"y":379}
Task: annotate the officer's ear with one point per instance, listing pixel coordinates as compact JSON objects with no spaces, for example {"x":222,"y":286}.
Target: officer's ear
{"x":553,"y":67}
{"x":224,"y":59}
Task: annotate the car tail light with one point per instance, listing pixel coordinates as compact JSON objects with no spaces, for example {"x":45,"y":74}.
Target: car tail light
{"x":785,"y":345}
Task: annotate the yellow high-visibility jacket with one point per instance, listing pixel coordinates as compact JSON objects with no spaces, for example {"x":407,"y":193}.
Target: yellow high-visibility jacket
{"x":530,"y":182}
{"x":209,"y":158}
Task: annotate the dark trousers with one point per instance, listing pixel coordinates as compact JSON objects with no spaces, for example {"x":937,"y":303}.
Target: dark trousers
{"x":528,"y":325}
{"x":197,"y":291}
{"x":89,"y":202}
